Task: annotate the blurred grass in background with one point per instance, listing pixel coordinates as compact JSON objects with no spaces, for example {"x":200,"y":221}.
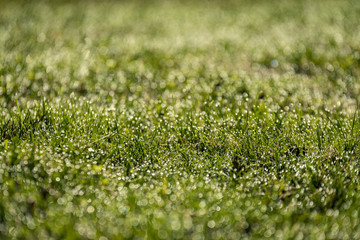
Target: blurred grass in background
{"x":179,"y":119}
{"x":107,"y":48}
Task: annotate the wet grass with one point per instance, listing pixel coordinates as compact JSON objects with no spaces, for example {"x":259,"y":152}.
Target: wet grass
{"x":179,"y":120}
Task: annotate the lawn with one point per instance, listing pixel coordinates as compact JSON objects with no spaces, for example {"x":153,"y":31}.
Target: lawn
{"x":179,"y":119}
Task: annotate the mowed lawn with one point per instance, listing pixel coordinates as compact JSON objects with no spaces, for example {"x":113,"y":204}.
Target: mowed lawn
{"x":179,"y":119}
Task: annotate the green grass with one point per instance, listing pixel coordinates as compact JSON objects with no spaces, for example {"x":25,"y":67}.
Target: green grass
{"x":179,"y":120}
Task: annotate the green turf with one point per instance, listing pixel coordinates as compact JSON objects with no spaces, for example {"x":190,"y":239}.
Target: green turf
{"x":179,"y":120}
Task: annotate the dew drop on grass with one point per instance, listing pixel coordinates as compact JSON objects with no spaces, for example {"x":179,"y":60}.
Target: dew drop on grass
{"x":211,"y":224}
{"x":90,"y":209}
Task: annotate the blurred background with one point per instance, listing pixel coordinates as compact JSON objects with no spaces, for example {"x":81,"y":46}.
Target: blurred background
{"x":283,"y":51}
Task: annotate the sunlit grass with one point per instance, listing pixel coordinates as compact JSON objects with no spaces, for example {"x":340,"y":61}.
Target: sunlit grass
{"x":179,"y":120}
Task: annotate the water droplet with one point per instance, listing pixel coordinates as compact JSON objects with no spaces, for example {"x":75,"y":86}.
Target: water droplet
{"x":211,"y":224}
{"x":90,"y":209}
